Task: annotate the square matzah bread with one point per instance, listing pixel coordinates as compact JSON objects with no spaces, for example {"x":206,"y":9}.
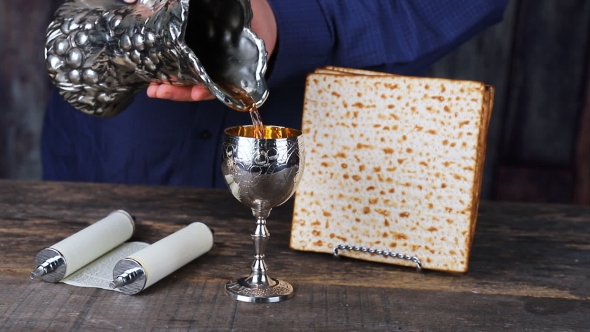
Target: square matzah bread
{"x":394,"y":163}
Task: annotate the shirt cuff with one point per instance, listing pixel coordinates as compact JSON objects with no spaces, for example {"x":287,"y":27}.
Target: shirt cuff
{"x":304,"y":40}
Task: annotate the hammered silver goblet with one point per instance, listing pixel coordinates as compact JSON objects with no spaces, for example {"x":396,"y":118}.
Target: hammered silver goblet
{"x":261,"y":173}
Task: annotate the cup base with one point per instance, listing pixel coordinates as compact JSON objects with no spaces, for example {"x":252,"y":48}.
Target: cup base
{"x":240,"y":291}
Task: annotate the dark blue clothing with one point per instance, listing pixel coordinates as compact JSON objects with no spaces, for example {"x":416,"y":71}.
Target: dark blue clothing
{"x":178,"y":143}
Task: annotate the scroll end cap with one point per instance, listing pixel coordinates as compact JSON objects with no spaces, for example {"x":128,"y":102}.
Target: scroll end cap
{"x":118,"y":282}
{"x":38,"y":271}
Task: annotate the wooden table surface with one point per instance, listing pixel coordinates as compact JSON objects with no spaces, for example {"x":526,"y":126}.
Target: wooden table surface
{"x":529,"y":270}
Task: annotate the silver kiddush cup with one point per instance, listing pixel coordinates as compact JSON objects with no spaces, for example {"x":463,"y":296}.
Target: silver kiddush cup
{"x":101,"y":53}
{"x":261,"y":173}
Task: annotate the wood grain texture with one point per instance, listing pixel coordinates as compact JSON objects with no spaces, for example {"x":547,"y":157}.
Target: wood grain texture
{"x":535,"y":184}
{"x":24,"y":85}
{"x":547,"y":82}
{"x":581,"y":191}
{"x":529,"y":270}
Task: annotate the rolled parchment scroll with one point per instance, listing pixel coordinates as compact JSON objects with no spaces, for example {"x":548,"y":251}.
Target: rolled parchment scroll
{"x":54,"y":263}
{"x":144,"y":268}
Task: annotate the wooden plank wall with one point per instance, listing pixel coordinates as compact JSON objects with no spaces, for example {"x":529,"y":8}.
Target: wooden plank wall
{"x":537,"y":58}
{"x":547,"y":85}
{"x":23,"y":85}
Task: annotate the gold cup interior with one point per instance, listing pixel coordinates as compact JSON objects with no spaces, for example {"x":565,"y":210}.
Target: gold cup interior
{"x":269,"y":132}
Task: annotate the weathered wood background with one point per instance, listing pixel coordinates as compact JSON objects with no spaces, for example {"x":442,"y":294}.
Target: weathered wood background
{"x":537,"y":58}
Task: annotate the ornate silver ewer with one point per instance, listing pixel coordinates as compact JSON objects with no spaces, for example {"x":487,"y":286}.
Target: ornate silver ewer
{"x":101,"y":53}
{"x":261,"y":173}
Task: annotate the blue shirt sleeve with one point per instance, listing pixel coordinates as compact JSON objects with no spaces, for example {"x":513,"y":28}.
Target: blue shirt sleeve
{"x":374,"y":33}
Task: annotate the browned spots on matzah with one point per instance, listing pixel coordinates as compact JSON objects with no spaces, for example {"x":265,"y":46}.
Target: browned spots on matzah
{"x":383,"y":212}
{"x":399,"y":236}
{"x":364,"y":146}
{"x":440,"y":108}
{"x":340,"y":154}
{"x":404,"y":214}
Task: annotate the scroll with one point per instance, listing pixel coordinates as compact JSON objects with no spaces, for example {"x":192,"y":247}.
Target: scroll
{"x":393,"y":166}
{"x":98,"y":256}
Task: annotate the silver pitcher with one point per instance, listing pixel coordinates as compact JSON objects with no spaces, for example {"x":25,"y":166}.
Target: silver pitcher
{"x":101,"y":53}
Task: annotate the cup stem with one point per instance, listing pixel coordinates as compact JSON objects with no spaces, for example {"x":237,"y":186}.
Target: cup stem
{"x":258,"y":277}
{"x":258,"y":286}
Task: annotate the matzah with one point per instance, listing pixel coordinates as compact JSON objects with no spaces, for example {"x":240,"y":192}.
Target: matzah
{"x":392,"y":163}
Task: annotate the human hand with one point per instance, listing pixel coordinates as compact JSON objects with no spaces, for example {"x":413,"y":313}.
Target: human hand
{"x":265,"y":27}
{"x":179,"y":93}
